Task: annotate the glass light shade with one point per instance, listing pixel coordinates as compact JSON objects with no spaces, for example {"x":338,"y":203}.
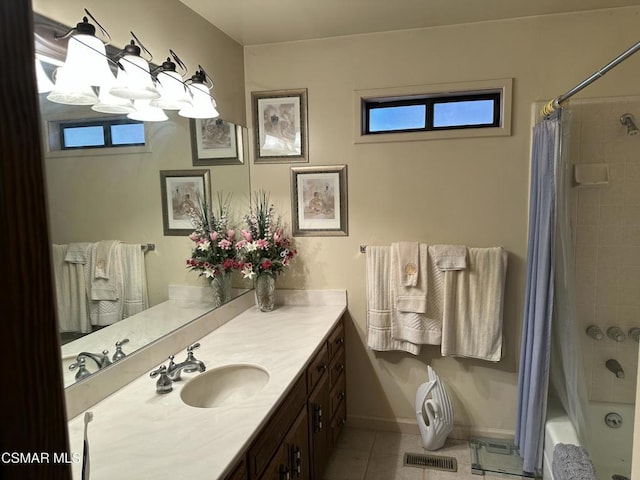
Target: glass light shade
{"x":146,"y":113}
{"x":87,"y":57}
{"x":203,"y":105}
{"x":135,"y":80}
{"x":173,"y":93}
{"x":44,"y":82}
{"x":69,"y":91}
{"x":108,"y":103}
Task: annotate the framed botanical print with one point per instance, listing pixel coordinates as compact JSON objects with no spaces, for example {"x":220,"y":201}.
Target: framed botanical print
{"x":280,"y":126}
{"x":182,"y":192}
{"x":216,"y":142}
{"x":319,"y":201}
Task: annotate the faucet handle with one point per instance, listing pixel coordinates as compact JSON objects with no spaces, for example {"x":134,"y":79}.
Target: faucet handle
{"x":634,"y":333}
{"x":81,"y":366}
{"x":164,"y":383}
{"x":119,"y":354}
{"x":193,"y":347}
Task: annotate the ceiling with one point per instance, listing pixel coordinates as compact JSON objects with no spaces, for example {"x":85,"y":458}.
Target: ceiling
{"x":253,"y":22}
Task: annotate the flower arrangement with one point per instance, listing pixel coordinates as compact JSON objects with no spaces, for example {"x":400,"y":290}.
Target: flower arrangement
{"x":263,"y":248}
{"x":214,"y":251}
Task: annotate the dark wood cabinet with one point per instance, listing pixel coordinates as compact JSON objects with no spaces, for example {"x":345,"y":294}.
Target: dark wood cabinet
{"x":297,"y":440}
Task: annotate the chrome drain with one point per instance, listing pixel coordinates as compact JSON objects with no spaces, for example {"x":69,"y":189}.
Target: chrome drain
{"x":434,"y":462}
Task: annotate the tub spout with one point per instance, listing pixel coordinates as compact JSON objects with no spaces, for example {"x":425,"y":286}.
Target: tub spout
{"x":614,"y":367}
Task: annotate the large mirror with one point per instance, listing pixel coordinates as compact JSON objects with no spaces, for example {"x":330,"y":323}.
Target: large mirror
{"x":97,"y":195}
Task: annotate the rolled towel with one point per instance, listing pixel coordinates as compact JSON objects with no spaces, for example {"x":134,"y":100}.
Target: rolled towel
{"x":450,"y":257}
{"x":571,"y":462}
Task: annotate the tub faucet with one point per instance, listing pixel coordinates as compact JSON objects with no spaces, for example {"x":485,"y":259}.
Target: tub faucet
{"x":101,"y":359}
{"x":614,"y":367}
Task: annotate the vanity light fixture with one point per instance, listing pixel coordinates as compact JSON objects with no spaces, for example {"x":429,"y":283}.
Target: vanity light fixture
{"x":174,"y":94}
{"x":86,"y":61}
{"x":203,"y":103}
{"x":134,"y":80}
{"x":144,"y":112}
{"x":67,"y":90}
{"x":136,"y":90}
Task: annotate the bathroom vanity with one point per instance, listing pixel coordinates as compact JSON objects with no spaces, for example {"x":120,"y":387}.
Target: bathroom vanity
{"x":282,"y":428}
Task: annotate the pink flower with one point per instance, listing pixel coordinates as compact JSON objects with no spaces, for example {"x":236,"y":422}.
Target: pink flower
{"x":231,"y":234}
{"x":262,"y":244}
{"x":278,"y":235}
{"x":225,"y":244}
{"x":266,"y":264}
{"x":228,"y":264}
{"x":194,"y":237}
{"x":246,"y":235}
{"x":241,"y":244}
{"x":214,"y":236}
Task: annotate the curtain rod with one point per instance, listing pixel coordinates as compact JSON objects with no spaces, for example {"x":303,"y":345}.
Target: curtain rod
{"x":550,"y":107}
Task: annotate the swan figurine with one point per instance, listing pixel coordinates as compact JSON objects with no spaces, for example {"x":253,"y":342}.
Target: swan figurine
{"x":434,"y":412}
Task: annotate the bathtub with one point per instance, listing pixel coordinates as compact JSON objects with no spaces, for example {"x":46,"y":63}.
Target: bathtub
{"x":612,"y":447}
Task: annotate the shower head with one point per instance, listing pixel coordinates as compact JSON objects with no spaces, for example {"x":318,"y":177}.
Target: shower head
{"x":628,"y":121}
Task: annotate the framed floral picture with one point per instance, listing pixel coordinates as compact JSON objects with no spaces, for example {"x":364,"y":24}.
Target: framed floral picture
{"x":280,"y":126}
{"x":216,"y":142}
{"x":182,"y":191}
{"x":319,"y":201}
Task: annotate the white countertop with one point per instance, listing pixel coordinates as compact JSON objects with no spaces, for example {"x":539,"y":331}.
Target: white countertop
{"x":136,"y":433}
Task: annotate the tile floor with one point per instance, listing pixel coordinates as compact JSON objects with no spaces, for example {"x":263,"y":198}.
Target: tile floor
{"x":370,"y":455}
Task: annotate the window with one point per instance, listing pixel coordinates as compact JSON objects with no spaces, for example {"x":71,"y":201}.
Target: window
{"x":427,"y":112}
{"x":475,"y":110}
{"x":101,"y":133}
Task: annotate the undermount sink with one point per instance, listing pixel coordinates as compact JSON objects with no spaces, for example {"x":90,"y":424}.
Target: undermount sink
{"x":224,"y":385}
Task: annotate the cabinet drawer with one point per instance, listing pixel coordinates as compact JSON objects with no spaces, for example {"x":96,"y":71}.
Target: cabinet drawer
{"x":337,"y":395}
{"x":337,"y":422}
{"x":317,"y":368}
{"x":336,"y":339}
{"x":271,"y":436}
{"x":337,"y":367}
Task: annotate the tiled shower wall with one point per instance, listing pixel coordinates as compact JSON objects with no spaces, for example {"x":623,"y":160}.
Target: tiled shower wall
{"x":606,"y":225}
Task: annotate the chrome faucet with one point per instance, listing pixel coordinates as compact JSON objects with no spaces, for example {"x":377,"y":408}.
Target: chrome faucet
{"x":101,"y":359}
{"x":614,"y":367}
{"x":189,"y":365}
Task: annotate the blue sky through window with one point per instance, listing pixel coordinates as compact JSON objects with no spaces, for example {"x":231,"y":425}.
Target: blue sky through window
{"x":397,"y":118}
{"x":84,"y":136}
{"x":127,"y":134}
{"x":474,"y":112}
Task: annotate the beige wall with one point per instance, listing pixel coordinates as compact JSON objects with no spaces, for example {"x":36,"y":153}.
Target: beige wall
{"x":470,"y":191}
{"x":94,"y":196}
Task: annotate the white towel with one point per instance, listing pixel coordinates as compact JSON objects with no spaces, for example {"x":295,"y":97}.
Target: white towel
{"x":106,"y":296}
{"x":425,"y":327}
{"x":78,"y":253}
{"x":407,"y":259}
{"x":379,"y":304}
{"x":473,"y":302}
{"x":71,"y":295}
{"x":450,"y":257}
{"x":104,"y":270}
{"x":135,"y":280}
{"x":409,"y":298}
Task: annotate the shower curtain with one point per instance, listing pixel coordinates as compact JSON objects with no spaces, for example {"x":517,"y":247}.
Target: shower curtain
{"x":539,"y":294}
{"x":567,"y":374}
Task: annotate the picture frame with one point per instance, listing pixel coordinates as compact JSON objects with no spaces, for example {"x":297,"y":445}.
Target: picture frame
{"x":216,"y":142}
{"x":181,"y":191}
{"x":280,"y":126}
{"x":319,"y":201}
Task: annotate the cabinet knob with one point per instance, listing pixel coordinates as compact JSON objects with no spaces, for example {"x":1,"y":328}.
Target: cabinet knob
{"x":322,"y":367}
